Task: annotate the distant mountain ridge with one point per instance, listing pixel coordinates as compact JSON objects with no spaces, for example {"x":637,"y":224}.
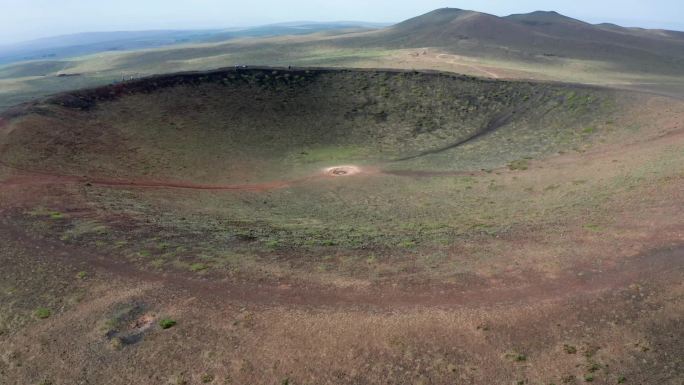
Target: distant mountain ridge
{"x":533,"y":35}
{"x":442,"y":25}
{"x":525,"y":36}
{"x":65,"y":46}
{"x":541,"y":45}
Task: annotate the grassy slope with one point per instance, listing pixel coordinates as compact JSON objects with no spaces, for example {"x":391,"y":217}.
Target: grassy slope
{"x":547,"y":274}
{"x":298,"y":122}
{"x":564,"y":272}
{"x":609,"y":62}
{"x":253,"y":125}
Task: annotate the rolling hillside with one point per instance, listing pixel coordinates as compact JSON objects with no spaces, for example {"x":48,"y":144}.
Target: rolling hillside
{"x":337,"y":226}
{"x":285,"y":218}
{"x":535,"y":36}
{"x":66,"y":46}
{"x":538,"y":45}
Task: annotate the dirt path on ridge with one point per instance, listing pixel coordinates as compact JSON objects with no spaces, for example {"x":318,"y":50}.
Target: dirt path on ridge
{"x":665,"y":263}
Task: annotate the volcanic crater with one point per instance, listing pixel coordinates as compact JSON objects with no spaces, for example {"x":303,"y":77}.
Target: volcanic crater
{"x":263,"y":124}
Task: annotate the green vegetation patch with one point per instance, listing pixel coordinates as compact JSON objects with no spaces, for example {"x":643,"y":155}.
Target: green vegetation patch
{"x":197,"y":267}
{"x":166,"y":323}
{"x":520,"y":164}
{"x":42,"y":313}
{"x":594,"y":228}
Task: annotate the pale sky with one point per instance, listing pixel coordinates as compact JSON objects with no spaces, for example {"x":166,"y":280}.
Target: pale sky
{"x":29,"y":19}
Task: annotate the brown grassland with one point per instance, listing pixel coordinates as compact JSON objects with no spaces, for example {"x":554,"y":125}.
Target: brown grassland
{"x":188,"y":229}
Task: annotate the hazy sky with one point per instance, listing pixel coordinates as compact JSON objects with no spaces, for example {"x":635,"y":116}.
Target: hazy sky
{"x":28,"y":19}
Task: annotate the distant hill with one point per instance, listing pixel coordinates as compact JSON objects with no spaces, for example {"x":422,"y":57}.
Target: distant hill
{"x":538,"y":45}
{"x":61,"y":47}
{"x":533,"y":35}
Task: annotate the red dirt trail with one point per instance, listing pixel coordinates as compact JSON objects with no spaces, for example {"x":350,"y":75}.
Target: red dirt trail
{"x":24,"y":177}
{"x":665,"y":263}
{"x":660,"y":263}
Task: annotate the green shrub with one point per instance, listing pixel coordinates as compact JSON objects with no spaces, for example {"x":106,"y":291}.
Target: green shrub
{"x":198,"y":267}
{"x":42,"y":313}
{"x":272,"y":244}
{"x":520,"y":164}
{"x":167,"y":323}
{"x":593,"y":227}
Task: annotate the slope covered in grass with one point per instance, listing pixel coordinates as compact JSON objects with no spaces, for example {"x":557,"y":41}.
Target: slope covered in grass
{"x":264,"y":124}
